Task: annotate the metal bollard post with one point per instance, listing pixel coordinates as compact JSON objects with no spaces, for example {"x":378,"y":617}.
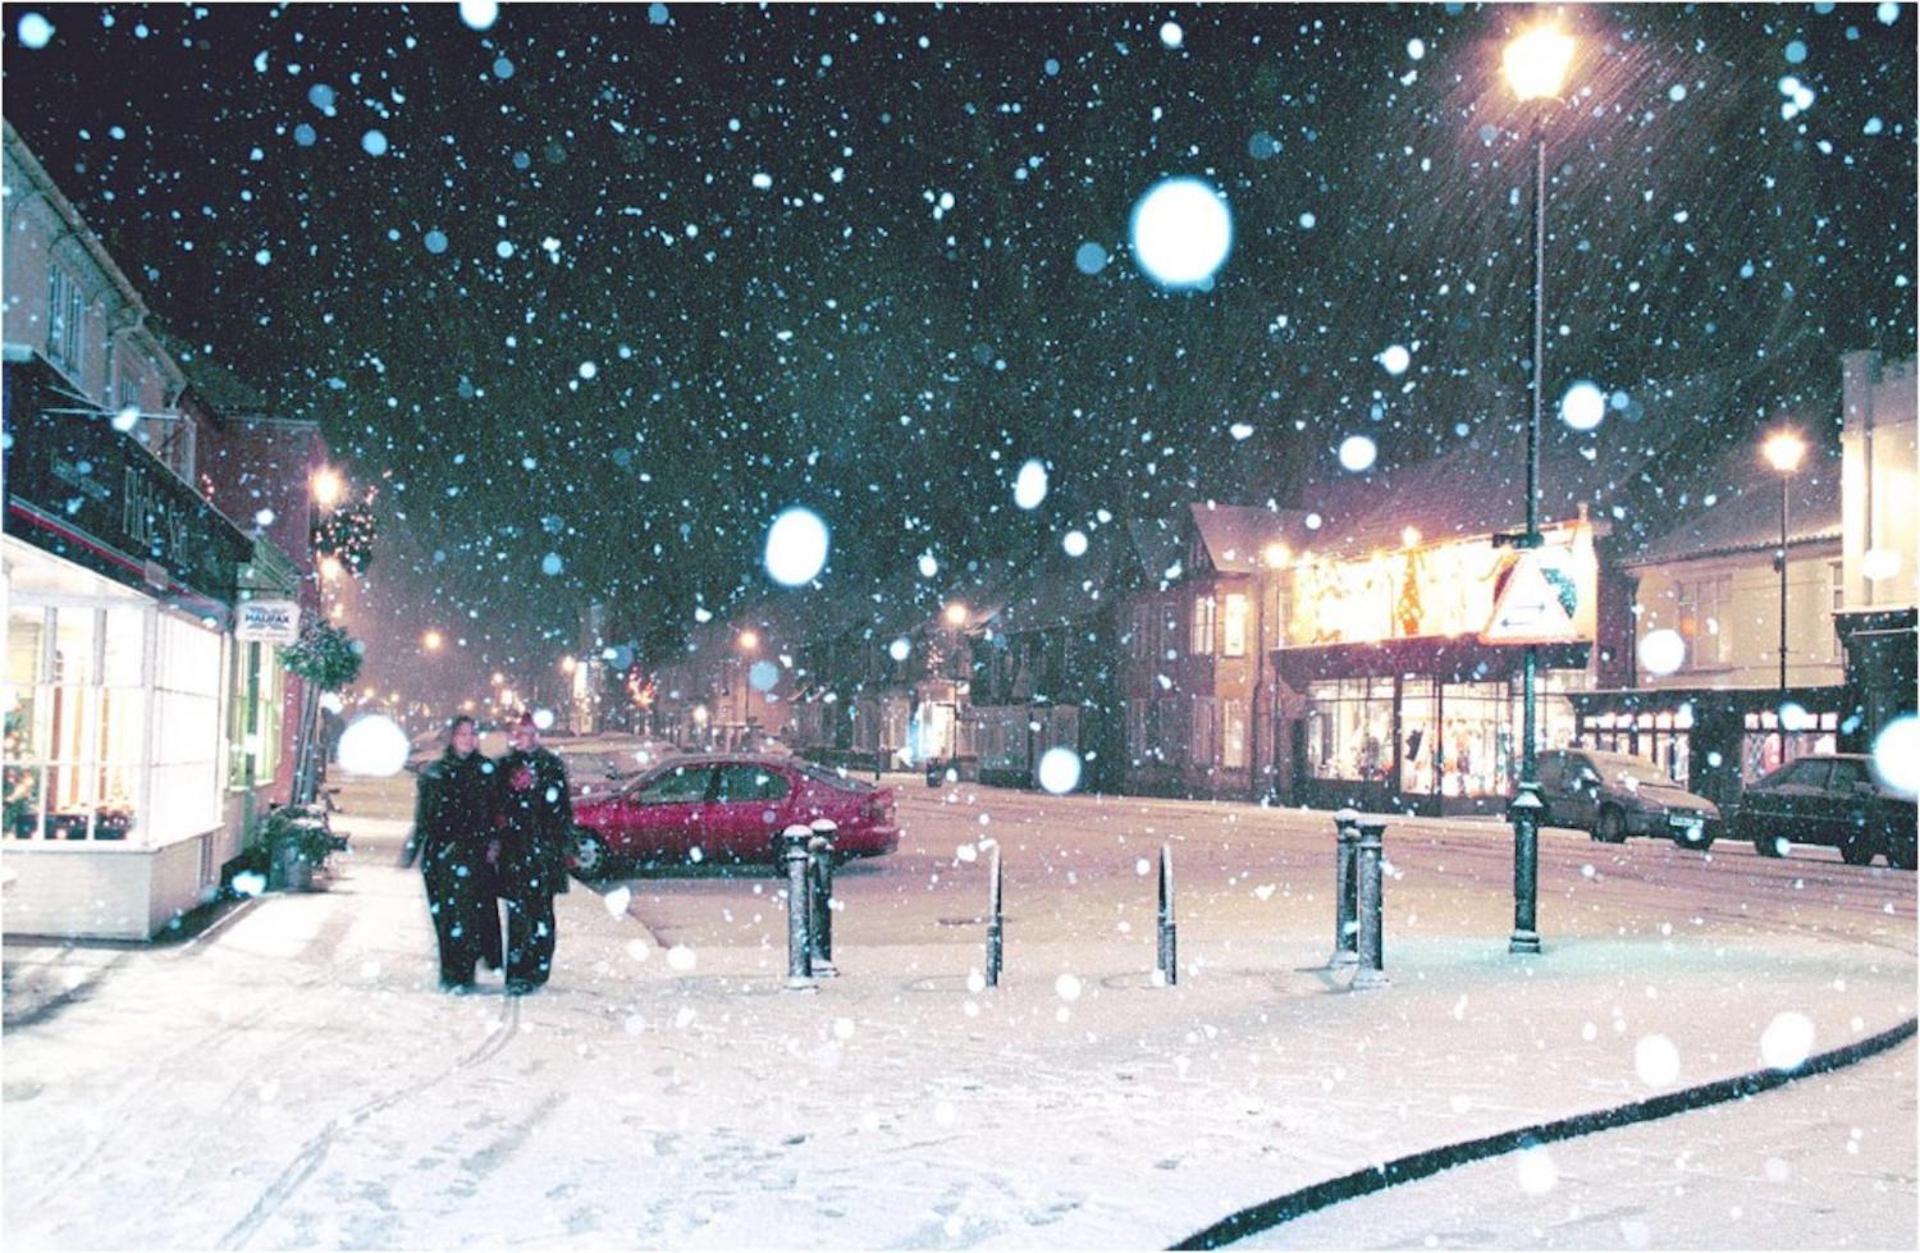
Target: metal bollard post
{"x":1346,"y":944}
{"x":994,"y":929}
{"x":1169,"y":953}
{"x":821,"y":897}
{"x":799,"y":944}
{"x":1372,"y":973}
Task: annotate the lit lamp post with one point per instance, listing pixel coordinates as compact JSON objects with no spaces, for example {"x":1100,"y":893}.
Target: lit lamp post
{"x":1536,"y":66}
{"x":1273,"y":559}
{"x":1784,"y":449}
{"x":749,"y":644}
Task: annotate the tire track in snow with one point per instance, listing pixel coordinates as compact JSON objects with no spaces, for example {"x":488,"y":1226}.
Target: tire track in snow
{"x":314,"y":1151}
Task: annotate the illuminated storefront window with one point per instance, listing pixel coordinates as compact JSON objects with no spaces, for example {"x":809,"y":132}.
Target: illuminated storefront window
{"x":1456,"y":739}
{"x":1764,"y":748}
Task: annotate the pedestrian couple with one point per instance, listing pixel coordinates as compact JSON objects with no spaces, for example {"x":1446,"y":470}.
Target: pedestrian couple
{"x":490,"y":831}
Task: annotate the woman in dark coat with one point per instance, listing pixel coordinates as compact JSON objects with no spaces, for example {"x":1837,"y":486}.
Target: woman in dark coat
{"x":535,"y":837}
{"x":453,"y":826}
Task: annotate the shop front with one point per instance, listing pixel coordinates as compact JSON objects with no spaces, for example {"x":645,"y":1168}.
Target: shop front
{"x":1714,"y":741}
{"x":120,"y":586}
{"x":1411,"y":667}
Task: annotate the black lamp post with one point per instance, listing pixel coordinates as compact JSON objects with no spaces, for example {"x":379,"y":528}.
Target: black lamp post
{"x":1536,"y":66}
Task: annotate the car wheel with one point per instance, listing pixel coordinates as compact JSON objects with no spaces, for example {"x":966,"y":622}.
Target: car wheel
{"x":590,"y":857}
{"x":1610,"y":827}
{"x":1763,"y":844}
{"x":1857,"y":850}
{"x":1900,"y":854}
{"x":1698,"y":843}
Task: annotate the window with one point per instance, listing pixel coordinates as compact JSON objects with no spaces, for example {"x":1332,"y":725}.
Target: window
{"x":1352,"y":725}
{"x":1810,"y":774}
{"x":1702,"y":606}
{"x":66,"y":314}
{"x":172,"y":440}
{"x":1137,"y":642}
{"x":1205,"y":610}
{"x":254,"y":716}
{"x":186,"y":759}
{"x":1848,"y":775}
{"x":1233,"y":734}
{"x":1236,"y":642}
{"x":1169,"y":647}
{"x":743,"y":782}
{"x":75,"y":726}
{"x":1837,"y":602}
{"x":1201,"y":742}
{"x":678,"y":786}
{"x":1137,"y":729}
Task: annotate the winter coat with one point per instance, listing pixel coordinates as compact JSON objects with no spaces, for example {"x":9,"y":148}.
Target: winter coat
{"x":454,"y":808}
{"x":536,"y":830}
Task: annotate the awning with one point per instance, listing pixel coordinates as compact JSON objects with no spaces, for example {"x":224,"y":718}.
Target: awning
{"x":1449,"y":660}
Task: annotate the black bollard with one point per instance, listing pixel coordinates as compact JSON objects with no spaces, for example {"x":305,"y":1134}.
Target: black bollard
{"x":1169,"y":951}
{"x":994,"y":930}
{"x":793,"y":843}
{"x":1372,"y":972}
{"x":820,"y":847}
{"x":1346,"y":942}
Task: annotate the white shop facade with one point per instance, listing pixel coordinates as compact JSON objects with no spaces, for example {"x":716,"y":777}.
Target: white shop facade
{"x":119,"y":582}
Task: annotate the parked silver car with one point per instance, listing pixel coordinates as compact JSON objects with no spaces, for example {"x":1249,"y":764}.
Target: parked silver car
{"x":1612,"y":796}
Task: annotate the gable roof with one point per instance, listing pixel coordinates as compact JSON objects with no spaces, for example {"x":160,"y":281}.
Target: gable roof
{"x":1745,"y":517}
{"x":1236,"y":536}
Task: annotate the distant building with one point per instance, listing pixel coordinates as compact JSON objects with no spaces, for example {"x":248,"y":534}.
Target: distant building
{"x":1208,"y":608}
{"x":1881,"y":541}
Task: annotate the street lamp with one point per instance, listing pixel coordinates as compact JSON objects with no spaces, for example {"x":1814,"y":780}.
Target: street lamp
{"x":1536,"y":67}
{"x":432,"y":641}
{"x":1783,"y":449}
{"x":328,"y":487}
{"x":1273,"y":558}
{"x":749,"y":643}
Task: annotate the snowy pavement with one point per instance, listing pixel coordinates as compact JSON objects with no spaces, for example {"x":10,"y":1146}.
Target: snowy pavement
{"x":295,"y":1078}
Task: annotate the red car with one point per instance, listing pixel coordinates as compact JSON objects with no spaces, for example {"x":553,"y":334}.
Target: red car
{"x":727,"y":810}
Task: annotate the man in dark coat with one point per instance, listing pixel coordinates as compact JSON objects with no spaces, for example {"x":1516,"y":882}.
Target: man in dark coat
{"x":453,"y":827}
{"x":535,"y":838}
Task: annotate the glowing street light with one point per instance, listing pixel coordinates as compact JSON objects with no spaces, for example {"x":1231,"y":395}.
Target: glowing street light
{"x":432,"y":641}
{"x":956,"y":614}
{"x":329,"y":487}
{"x":1536,"y":63}
{"x":1783,"y":450}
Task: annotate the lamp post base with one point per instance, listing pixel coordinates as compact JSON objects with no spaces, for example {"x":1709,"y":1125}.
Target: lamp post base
{"x":1523,"y":942}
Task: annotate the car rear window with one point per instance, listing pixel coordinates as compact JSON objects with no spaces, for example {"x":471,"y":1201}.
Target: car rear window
{"x":1846,"y":774}
{"x":835,"y":779}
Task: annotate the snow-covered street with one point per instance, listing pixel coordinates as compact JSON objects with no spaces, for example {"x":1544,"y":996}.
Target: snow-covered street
{"x":294,"y":1078}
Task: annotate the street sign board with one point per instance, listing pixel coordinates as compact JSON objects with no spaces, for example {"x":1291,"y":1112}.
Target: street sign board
{"x":268,"y":621}
{"x":1536,"y":600}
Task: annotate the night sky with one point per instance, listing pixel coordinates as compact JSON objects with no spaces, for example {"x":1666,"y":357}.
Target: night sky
{"x":622,"y":282}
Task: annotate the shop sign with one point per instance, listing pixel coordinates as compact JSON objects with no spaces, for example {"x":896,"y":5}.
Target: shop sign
{"x":1469,"y":590}
{"x":81,"y":490}
{"x":268,"y":621}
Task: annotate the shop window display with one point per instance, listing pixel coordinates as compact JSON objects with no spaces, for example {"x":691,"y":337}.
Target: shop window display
{"x":1457,"y":739}
{"x":75,"y":722}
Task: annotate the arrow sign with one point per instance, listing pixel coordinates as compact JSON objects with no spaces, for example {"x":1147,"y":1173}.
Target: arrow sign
{"x":1535,"y":599}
